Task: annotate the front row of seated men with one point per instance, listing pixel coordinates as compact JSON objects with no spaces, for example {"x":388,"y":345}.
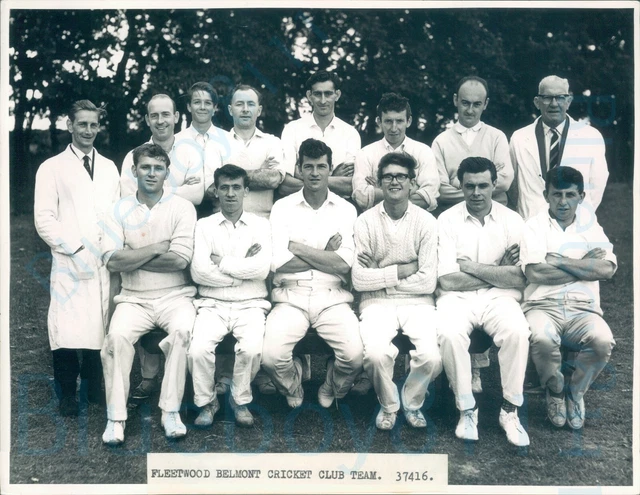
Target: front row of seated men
{"x":476,"y":258}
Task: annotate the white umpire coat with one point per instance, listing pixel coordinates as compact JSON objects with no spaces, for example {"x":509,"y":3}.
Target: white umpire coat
{"x":584,"y":150}
{"x":69,"y":210}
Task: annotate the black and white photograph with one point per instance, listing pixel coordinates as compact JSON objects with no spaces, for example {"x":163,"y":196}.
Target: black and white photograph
{"x":212,"y":214}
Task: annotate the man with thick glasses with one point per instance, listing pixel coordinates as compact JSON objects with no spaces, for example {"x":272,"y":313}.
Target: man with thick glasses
{"x":555,"y":139}
{"x":396,"y":245}
{"x":323,"y":91}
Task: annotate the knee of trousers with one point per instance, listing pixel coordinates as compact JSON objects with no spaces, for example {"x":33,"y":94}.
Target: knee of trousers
{"x":250,"y":349}
{"x":352,"y":355}
{"x":427,"y":358}
{"x":377,"y":355}
{"x":115,"y":345}
{"x":181,"y":338}
{"x":544,"y":341}
{"x":199,"y":354}
{"x":602,"y":346}
{"x":271,"y":357}
{"x":457,"y":339}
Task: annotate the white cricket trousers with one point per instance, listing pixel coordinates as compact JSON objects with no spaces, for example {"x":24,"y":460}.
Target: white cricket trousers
{"x":327,"y":310}
{"x":502,"y":319}
{"x":576,"y":326}
{"x":245,"y":320}
{"x":379,"y":324}
{"x":175,"y":314}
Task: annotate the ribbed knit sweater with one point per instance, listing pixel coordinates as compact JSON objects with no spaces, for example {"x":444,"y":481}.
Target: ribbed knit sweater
{"x":415,"y":238}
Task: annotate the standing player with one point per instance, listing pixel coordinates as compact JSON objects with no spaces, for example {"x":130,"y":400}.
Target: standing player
{"x":480,"y":285}
{"x":150,"y":243}
{"x":394,"y":117}
{"x":231,"y":261}
{"x":397,"y":248}
{"x":323,"y":91}
{"x":73,"y":193}
{"x":564,"y":254}
{"x":312,"y":232}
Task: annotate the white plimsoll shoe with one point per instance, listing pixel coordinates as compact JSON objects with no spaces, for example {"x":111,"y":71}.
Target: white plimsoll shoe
{"x":575,"y":413}
{"x":114,"y":433}
{"x":296,"y":399}
{"x":415,"y":418}
{"x":556,"y":410}
{"x":510,"y":423}
{"x":386,"y":420}
{"x":173,"y":425}
{"x":467,"y":428}
{"x":476,"y":381}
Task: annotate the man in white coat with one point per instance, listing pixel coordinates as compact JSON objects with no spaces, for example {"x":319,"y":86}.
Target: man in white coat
{"x":73,"y":192}
{"x":555,"y":139}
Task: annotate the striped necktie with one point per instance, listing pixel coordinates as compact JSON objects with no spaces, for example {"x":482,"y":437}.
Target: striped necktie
{"x":554,"y":149}
{"x":87,"y":165}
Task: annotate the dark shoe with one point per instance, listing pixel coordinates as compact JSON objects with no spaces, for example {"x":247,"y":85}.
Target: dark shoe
{"x":68,"y":406}
{"x":145,"y":389}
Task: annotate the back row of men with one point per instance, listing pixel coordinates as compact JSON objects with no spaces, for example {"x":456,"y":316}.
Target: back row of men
{"x":311,"y":251}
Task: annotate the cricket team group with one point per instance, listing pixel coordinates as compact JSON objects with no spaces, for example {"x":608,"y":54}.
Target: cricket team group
{"x":473,"y":233}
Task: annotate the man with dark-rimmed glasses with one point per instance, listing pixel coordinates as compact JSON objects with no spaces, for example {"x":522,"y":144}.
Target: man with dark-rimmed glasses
{"x":552,"y":140}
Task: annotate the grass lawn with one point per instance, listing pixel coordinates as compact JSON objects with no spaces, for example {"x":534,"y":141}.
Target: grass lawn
{"x":46,"y":448}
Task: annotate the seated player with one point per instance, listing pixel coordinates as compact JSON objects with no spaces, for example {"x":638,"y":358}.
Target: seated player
{"x":312,"y":234}
{"x":564,"y":254}
{"x":396,"y":244}
{"x":480,"y":285}
{"x":231,"y":260}
{"x":150,"y":242}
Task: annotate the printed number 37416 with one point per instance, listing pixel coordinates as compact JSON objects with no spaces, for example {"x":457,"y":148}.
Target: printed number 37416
{"x":413,"y":476}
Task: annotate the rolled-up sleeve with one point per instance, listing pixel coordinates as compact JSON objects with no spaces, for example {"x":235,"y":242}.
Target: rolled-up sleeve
{"x":363,"y":192}
{"x":533,"y":246}
{"x":113,"y":238}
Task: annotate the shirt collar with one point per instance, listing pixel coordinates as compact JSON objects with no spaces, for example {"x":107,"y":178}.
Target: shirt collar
{"x":492,"y":215}
{"x":389,"y":148}
{"x":299,"y":198}
{"x":80,"y":154}
{"x":460,"y":129}
{"x":382,"y":211}
{"x":559,"y":128}
{"x":212,"y":132}
{"x":312,"y":121}
{"x":257,"y":134}
{"x":219,"y":218}
{"x":165,"y":197}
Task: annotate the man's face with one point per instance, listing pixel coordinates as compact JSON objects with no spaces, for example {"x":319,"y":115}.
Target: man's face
{"x":315,"y":173}
{"x":471,"y":100}
{"x":245,"y":109}
{"x":552,"y":111}
{"x":151,"y":174}
{"x":394,"y":126}
{"x":563,"y":203}
{"x":201,"y":107}
{"x":231,"y":193}
{"x":395,"y":183}
{"x":477,"y":190}
{"x":323,"y":97}
{"x":161,"y":118}
{"x":84,"y":129}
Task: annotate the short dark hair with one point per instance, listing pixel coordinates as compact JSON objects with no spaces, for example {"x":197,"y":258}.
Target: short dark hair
{"x":245,"y":87}
{"x":161,"y":95}
{"x":88,"y":105}
{"x":399,"y":158}
{"x":152,"y":151}
{"x":392,"y":102}
{"x":230,"y":171}
{"x":203,"y":86}
{"x":473,"y":78}
{"x":323,"y":76}
{"x":314,"y":148}
{"x":564,"y":177}
{"x":477,"y":165}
